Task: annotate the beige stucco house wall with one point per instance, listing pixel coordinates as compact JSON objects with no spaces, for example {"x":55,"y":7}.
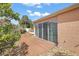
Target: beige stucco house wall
{"x":67,"y":27}
{"x":68,"y":30}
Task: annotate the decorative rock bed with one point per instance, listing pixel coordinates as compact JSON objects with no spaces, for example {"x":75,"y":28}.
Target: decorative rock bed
{"x":55,"y":51}
{"x":22,"y":51}
{"x":16,"y":51}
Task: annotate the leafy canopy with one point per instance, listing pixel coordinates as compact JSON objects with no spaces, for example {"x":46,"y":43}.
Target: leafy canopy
{"x":6,"y":11}
{"x":25,"y":22}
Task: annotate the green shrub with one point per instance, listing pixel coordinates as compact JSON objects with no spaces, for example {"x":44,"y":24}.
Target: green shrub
{"x":22,"y":30}
{"x":8,"y":40}
{"x":8,"y":37}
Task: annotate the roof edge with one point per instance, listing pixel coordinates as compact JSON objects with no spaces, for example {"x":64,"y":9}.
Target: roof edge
{"x":58,"y":12}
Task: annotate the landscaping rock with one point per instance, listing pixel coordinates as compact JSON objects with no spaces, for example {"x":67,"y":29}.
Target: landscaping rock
{"x":55,"y":51}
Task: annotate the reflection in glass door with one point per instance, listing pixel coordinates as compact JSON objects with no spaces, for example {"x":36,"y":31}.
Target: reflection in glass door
{"x":36,"y":30}
{"x":40,"y":30}
{"x":45,"y":30}
{"x":53,"y":32}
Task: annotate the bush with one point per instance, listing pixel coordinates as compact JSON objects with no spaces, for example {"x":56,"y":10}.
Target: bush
{"x":8,"y":37}
{"x":8,"y":40}
{"x":22,"y":31}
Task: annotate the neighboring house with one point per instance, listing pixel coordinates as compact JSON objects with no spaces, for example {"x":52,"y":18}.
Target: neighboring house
{"x":61,"y":28}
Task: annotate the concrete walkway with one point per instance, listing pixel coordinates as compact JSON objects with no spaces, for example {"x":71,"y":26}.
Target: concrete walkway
{"x":36,"y":46}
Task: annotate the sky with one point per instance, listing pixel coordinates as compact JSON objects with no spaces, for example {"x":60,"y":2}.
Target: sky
{"x":37,"y":10}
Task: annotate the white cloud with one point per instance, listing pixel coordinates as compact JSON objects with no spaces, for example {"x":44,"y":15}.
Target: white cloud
{"x":31,"y":4}
{"x":39,"y":6}
{"x":29,"y":11}
{"x":35,"y":4}
{"x":35,"y":14}
{"x":39,"y":14}
{"x":48,"y":4}
{"x":45,"y":14}
{"x":31,"y":14}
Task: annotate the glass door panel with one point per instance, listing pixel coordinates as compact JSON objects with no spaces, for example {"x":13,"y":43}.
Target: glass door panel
{"x":45,"y":30}
{"x":40,"y":30}
{"x":36,"y":29}
{"x":52,"y":31}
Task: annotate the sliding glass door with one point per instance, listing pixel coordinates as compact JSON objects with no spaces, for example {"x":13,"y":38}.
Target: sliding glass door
{"x":36,"y":30}
{"x":40,"y":30}
{"x":45,"y":30}
{"x":53,"y":32}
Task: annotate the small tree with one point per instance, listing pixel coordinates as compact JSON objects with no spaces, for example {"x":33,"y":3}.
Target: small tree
{"x":25,"y":22}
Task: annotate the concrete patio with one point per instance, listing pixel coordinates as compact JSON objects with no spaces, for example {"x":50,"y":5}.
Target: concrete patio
{"x":36,"y":45}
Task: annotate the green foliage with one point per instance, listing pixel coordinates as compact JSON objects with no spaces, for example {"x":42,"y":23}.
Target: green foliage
{"x":25,"y":17}
{"x":25,"y":22}
{"x":6,"y":28}
{"x":5,"y":5}
{"x":22,"y":31}
{"x":8,"y":33}
{"x":8,"y":36}
{"x":31,"y":24}
{"x":8,"y":40}
{"x":5,"y":10}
